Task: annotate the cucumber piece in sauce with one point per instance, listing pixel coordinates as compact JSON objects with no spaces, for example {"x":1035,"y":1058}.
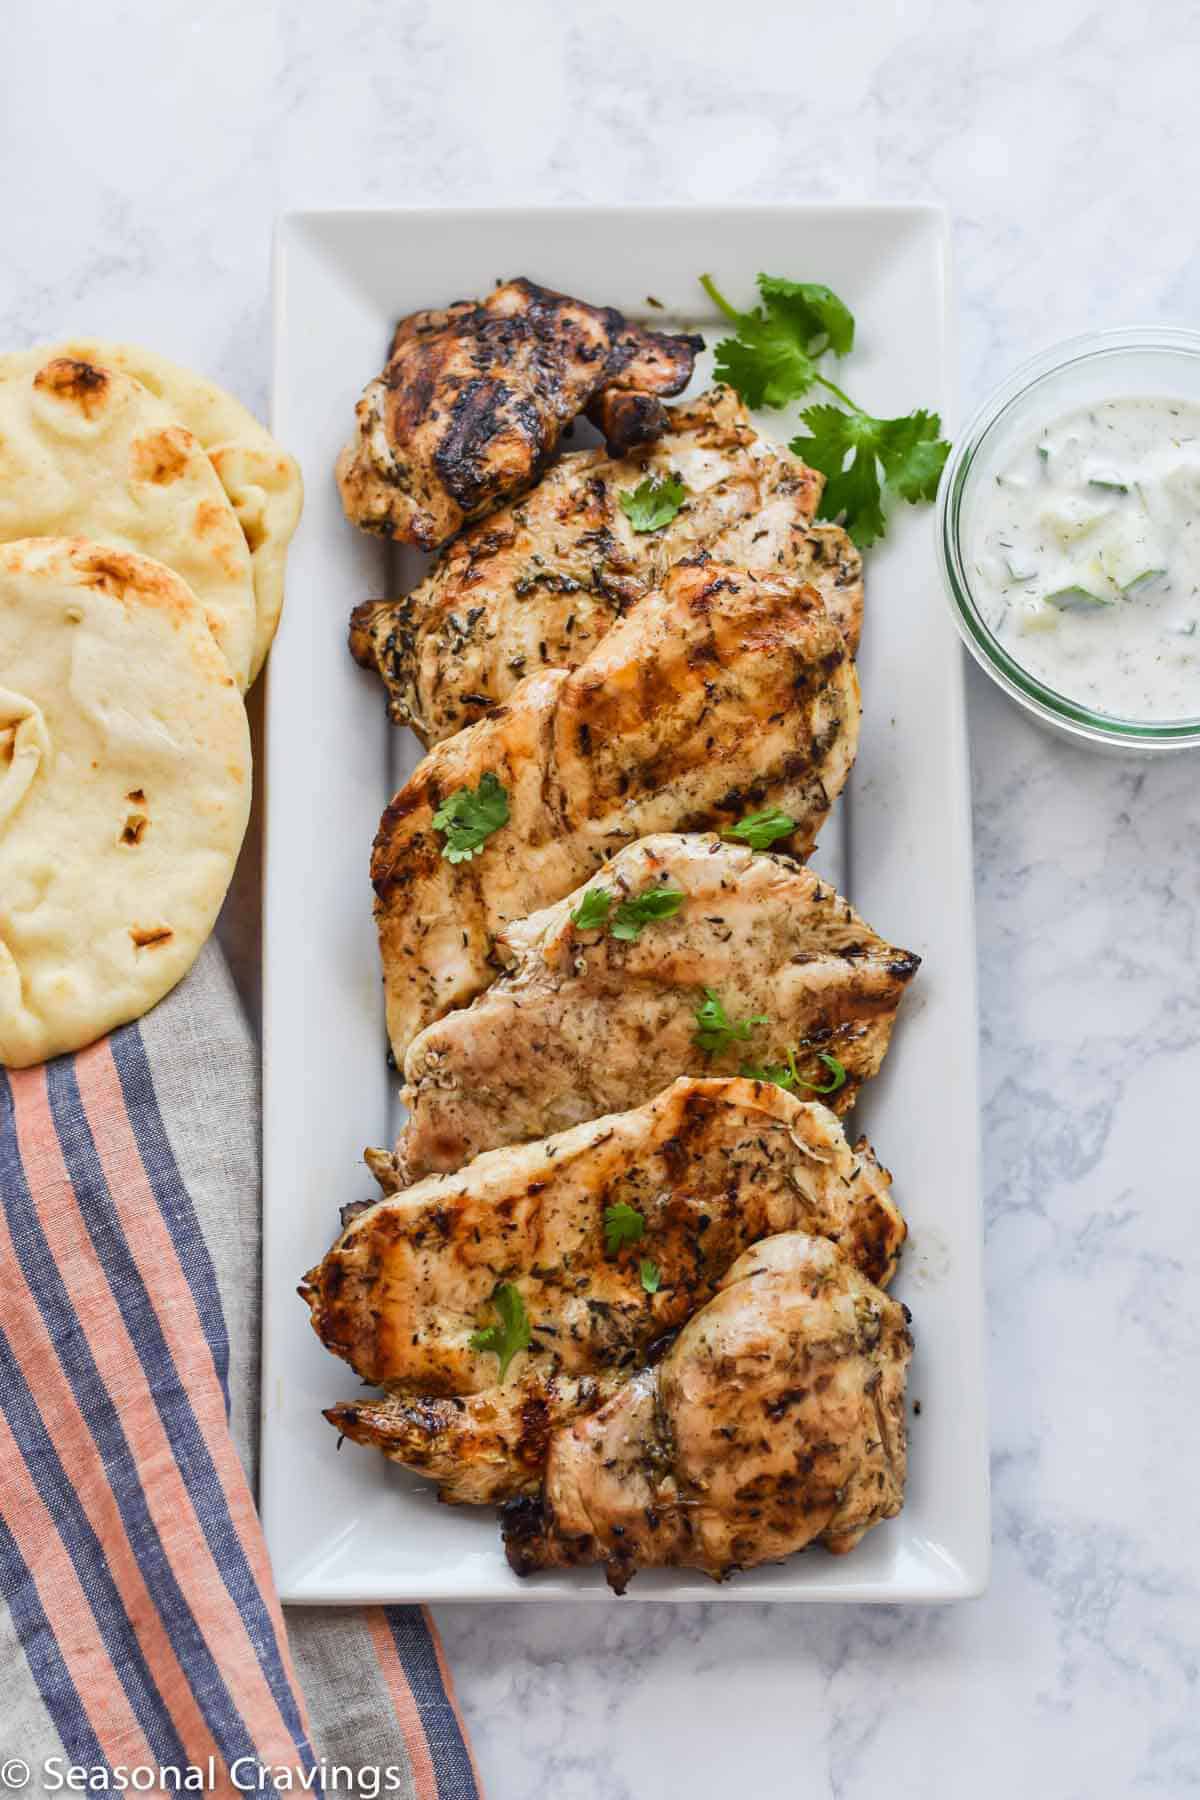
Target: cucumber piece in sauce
{"x":1142,"y":581}
{"x":1076,"y":599}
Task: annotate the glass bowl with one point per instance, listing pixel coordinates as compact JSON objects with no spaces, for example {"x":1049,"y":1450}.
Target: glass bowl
{"x":1083,"y":371}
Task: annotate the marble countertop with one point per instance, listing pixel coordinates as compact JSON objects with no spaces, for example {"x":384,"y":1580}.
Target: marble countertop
{"x":147,"y":149}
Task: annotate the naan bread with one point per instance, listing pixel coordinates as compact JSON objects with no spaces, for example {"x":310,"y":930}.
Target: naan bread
{"x":261,"y":480}
{"x":88,"y":451}
{"x":124,"y":790}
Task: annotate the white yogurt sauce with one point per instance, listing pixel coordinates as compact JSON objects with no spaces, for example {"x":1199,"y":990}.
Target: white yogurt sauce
{"x":1085,"y":557}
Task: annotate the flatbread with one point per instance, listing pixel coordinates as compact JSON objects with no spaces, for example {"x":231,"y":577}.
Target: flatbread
{"x":124,"y":790}
{"x":86,"y":450}
{"x":261,"y":480}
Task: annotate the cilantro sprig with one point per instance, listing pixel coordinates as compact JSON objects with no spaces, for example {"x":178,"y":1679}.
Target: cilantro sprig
{"x":511,"y":1334}
{"x":653,"y":503}
{"x":631,"y":917}
{"x":853,"y":450}
{"x":623,"y":1224}
{"x":651,"y":1275}
{"x":787,"y":1076}
{"x":468,"y":817}
{"x":593,"y":910}
{"x":761,"y":829}
{"x":634,"y":914}
{"x":773,"y":359}
{"x":715,"y":1030}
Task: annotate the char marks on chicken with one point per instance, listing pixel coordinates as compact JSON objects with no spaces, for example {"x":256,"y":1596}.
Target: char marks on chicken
{"x":719,"y":693}
{"x":473,"y":399}
{"x":583,"y":1023}
{"x":483,"y":1448}
{"x":775,"y":1421}
{"x":626,"y":1277}
{"x":710,"y":1165}
{"x":538,"y":583}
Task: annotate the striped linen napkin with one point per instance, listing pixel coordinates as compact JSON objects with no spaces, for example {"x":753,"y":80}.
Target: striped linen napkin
{"x":140,"y":1629}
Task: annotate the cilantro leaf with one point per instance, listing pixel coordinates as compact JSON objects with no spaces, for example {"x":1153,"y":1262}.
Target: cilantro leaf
{"x":777,"y":1073}
{"x":651,"y":1275}
{"x":852,"y":491}
{"x":851,"y":448}
{"x":622,"y":1225}
{"x":761,"y":829}
{"x":837,"y":1073}
{"x":511,"y":1334}
{"x":593,"y":909}
{"x":764,"y":364}
{"x":469,"y":816}
{"x":913,"y":454}
{"x":715,"y":1030}
{"x":814,"y":309}
{"x":634,"y":914}
{"x":653,"y":503}
{"x":772,"y":360}
{"x":788,"y":1077}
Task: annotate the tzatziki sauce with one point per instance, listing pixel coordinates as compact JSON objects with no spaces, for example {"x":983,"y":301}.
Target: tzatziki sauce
{"x":1085,"y":557}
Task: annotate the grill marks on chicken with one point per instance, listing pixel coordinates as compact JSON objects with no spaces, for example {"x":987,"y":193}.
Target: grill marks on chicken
{"x":721,"y":692}
{"x":775,"y":1420}
{"x":480,"y":1448}
{"x":474,"y":398}
{"x":582,"y":1023}
{"x":725,"y":1385}
{"x":539,"y":583}
{"x":709,"y":1166}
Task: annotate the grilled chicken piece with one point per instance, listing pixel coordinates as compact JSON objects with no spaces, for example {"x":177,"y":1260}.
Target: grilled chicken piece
{"x":539,"y":584}
{"x":708,"y":1166}
{"x":720,"y":693}
{"x":582,"y":1023}
{"x":471,"y":404}
{"x":627,"y":420}
{"x":775,"y":1420}
{"x":628,"y":411}
{"x":480,"y":1448}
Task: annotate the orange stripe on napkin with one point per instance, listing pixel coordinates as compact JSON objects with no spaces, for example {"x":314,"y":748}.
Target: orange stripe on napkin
{"x":157,"y":1260}
{"x":64,"y":1603}
{"x":51,"y":1392}
{"x":167,"y":1498}
{"x":408,"y":1714}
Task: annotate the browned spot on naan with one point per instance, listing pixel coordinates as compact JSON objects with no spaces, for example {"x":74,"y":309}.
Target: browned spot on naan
{"x":144,"y":940}
{"x":162,"y":457}
{"x":77,"y":383}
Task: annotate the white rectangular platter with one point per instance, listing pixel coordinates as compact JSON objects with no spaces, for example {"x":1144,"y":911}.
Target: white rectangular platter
{"x":350,"y":1527}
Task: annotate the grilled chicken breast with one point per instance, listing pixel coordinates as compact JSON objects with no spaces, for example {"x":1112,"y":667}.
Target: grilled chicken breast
{"x":583,"y":1023}
{"x":539,"y":583}
{"x":719,"y":693}
{"x":471,"y":404}
{"x":708,"y":1167}
{"x":774,"y":1421}
{"x":482,"y":1448}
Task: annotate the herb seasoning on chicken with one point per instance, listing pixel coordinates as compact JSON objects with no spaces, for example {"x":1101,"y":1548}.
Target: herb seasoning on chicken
{"x":775,"y":1421}
{"x":709,"y":1167}
{"x":539,"y":583}
{"x":470,"y":407}
{"x":719,"y":693}
{"x":581,"y":1023}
